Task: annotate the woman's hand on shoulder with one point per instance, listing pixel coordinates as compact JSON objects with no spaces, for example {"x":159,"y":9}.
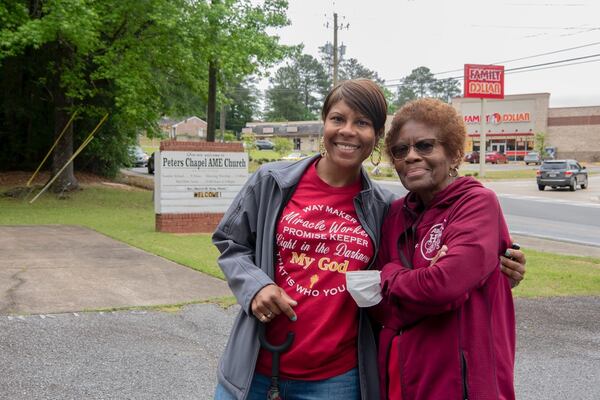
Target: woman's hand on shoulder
{"x":513,"y":266}
{"x":271,"y":301}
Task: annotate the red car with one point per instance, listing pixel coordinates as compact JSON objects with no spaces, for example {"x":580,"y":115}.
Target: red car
{"x":472,"y":157}
{"x":495,"y":158}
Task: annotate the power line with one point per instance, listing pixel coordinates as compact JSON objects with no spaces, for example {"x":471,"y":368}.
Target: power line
{"x":515,"y":59}
{"x":554,"y":66}
{"x":528,"y":68}
{"x":552,"y":62}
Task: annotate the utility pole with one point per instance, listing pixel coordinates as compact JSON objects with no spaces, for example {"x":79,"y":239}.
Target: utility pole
{"x":336,"y":52}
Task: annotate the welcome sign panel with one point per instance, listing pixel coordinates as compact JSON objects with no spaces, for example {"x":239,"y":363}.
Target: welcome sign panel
{"x":198,"y":181}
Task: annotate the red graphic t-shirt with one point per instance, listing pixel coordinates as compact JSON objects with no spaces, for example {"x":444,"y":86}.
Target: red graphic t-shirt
{"x":318,"y":239}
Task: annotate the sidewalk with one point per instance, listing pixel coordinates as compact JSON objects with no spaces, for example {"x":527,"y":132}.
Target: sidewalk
{"x":552,"y":246}
{"x":63,"y":268}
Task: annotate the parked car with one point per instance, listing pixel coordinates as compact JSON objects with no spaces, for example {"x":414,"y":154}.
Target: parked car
{"x":263,"y":144}
{"x":472,"y":157}
{"x":557,"y":173}
{"x":151,"y":164}
{"x":295,"y":156}
{"x":533,"y":157}
{"x":138,"y":157}
{"x":495,"y":157}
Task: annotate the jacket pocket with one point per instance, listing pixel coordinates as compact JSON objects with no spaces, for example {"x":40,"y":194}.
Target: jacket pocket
{"x":463,"y":367}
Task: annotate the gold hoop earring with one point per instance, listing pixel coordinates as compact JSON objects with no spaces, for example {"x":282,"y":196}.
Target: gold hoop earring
{"x":453,"y":173}
{"x":322,"y":148}
{"x":376,"y":155}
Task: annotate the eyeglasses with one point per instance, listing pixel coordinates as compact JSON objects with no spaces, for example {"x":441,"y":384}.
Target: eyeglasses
{"x":422,"y":147}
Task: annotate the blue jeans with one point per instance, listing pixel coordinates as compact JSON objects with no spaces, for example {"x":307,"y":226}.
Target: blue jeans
{"x":343,"y":387}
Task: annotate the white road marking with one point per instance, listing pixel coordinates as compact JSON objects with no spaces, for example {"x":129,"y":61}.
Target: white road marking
{"x":547,"y":200}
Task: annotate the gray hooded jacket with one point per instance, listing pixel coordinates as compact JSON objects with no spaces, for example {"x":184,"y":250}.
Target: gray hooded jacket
{"x":246,"y":239}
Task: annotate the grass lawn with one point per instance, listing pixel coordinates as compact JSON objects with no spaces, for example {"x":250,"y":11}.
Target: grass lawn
{"x":127,"y":214}
{"x":557,"y":275}
{"x":498,"y":175}
{"x":270,"y":155}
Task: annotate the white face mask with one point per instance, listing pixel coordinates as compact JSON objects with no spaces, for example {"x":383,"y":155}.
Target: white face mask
{"x":364,"y":287}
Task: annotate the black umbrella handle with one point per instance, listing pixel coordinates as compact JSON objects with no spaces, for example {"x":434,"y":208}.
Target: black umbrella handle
{"x":275,"y":349}
{"x":280,"y":348}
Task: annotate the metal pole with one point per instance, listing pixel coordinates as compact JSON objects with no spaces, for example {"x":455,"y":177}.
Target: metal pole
{"x":482,"y":140}
{"x":79,"y":150}
{"x":51,"y":149}
{"x":335,"y":49}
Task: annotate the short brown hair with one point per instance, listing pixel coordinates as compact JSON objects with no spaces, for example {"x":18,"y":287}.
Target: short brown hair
{"x":435,"y":114}
{"x":363,"y":96}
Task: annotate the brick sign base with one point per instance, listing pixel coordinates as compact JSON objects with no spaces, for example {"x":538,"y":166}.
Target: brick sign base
{"x":187,"y":223}
{"x":192,"y":222}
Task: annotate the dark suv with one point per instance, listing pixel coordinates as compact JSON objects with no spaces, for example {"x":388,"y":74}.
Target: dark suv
{"x":556,"y":173}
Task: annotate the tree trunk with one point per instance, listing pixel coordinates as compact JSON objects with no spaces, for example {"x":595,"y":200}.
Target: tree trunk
{"x":212,"y":102}
{"x":222,"y":119}
{"x":64,"y":149}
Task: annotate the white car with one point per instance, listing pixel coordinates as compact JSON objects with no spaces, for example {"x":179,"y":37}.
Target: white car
{"x":138,"y":157}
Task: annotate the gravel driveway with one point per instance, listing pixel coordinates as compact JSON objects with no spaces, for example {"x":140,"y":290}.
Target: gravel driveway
{"x":163,"y":355}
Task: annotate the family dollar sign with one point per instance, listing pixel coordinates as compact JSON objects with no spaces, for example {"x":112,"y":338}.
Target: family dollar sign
{"x":484,"y":81}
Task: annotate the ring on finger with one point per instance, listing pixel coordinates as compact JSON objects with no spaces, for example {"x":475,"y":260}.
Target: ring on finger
{"x":264,"y":317}
{"x":269,"y":315}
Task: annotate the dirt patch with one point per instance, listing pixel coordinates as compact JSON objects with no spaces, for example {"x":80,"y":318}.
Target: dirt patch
{"x":16,"y":181}
{"x":20,"y":178}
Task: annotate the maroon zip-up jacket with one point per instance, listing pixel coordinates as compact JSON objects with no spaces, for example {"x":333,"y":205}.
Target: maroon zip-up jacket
{"x":453,"y":321}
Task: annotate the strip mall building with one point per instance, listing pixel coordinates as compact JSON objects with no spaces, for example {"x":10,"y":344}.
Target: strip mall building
{"x":511,"y":125}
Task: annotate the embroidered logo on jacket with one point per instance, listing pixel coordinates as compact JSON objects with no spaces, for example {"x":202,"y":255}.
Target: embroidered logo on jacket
{"x":431,"y":242}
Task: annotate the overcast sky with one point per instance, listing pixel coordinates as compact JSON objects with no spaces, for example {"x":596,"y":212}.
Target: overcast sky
{"x":393,"y":37}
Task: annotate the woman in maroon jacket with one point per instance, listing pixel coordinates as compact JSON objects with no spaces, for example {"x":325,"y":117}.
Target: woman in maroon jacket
{"x":450,"y":327}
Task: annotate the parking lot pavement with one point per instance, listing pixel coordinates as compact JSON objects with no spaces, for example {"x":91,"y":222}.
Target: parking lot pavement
{"x":164,"y":355}
{"x":61,"y":268}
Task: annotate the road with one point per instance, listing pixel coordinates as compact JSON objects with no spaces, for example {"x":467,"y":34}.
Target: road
{"x":552,"y":214}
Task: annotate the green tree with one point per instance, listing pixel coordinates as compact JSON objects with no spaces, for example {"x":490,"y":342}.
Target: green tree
{"x":445,"y":89}
{"x":283,"y":145}
{"x":352,"y":69}
{"x":96,"y":57}
{"x":540,"y":143}
{"x":248,"y":139}
{"x":243,"y":105}
{"x":237,"y":43}
{"x":134,"y":60}
{"x":297,"y":90}
{"x":284,"y":98}
{"x":422,"y":83}
{"x":404,"y":95}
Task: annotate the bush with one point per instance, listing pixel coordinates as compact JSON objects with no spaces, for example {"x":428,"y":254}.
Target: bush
{"x":283,"y":145}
